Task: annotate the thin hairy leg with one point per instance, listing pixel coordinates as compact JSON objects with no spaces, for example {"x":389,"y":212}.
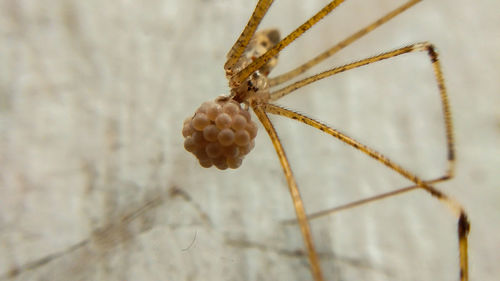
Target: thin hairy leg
{"x":239,"y":77}
{"x":341,"y":45}
{"x":294,"y":192}
{"x":452,"y":204}
{"x":417,"y":47}
{"x":241,"y":43}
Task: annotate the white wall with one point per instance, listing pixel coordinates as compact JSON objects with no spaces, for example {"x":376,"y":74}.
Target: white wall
{"x":92,"y":98}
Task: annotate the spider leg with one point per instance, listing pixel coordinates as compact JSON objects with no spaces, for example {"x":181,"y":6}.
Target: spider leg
{"x":239,"y":77}
{"x":417,"y":47}
{"x":455,"y":207}
{"x":294,"y":192}
{"x":365,"y":201}
{"x":341,"y":45}
{"x":241,"y":43}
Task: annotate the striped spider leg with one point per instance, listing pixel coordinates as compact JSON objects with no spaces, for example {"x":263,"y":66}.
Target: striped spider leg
{"x":221,"y":132}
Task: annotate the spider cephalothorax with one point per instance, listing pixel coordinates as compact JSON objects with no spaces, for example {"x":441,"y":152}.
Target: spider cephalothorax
{"x":220,"y":133}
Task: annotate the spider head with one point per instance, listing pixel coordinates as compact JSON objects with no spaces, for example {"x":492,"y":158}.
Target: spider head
{"x":220,"y":133}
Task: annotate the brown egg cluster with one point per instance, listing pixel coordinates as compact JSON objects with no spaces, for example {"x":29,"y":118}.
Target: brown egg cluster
{"x":220,"y":133}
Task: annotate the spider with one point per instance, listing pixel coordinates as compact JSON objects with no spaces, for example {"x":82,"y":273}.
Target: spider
{"x":221,"y":132}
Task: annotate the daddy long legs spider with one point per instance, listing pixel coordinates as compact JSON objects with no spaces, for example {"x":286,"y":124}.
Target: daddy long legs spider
{"x":221,"y":132}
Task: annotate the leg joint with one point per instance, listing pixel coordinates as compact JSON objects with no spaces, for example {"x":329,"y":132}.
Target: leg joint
{"x":463,"y":225}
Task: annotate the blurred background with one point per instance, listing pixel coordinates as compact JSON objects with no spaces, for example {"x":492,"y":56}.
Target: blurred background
{"x":95,"y":183}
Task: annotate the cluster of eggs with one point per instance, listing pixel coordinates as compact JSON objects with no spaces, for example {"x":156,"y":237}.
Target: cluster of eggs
{"x":220,"y":134}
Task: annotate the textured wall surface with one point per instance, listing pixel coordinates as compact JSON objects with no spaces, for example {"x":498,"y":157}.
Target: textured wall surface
{"x":95,"y":183}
